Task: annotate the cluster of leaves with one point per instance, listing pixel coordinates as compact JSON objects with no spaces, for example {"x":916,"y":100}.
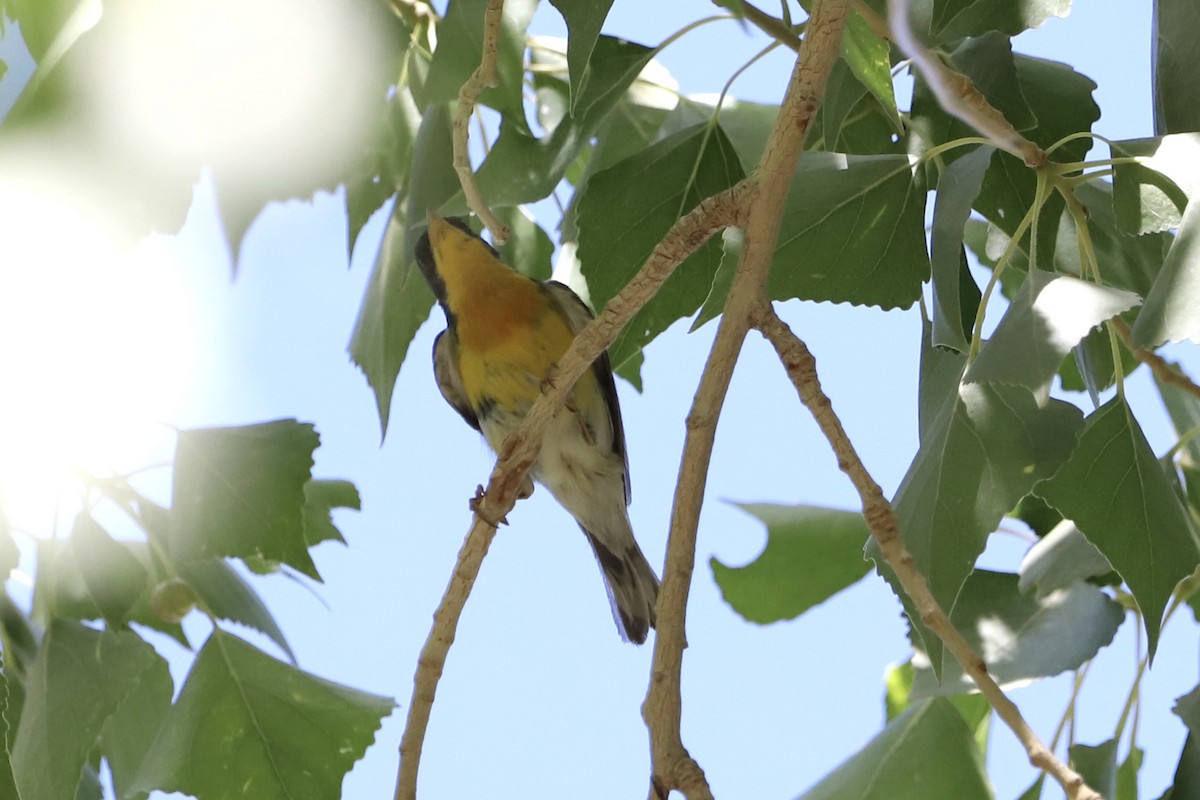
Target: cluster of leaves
{"x":79,"y":684}
{"x":75,"y":693}
{"x":1074,"y":245}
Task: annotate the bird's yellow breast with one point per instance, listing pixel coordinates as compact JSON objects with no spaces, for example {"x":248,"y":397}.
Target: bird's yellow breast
{"x":510,"y":331}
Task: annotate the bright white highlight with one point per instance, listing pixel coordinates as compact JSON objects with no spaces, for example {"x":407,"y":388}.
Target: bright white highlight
{"x":260,"y":88}
{"x":93,"y":351}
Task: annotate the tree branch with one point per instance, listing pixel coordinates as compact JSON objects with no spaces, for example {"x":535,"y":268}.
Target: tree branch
{"x":673,"y":767}
{"x":881,"y":520}
{"x":1162,"y":369}
{"x":484,"y":77}
{"x":957,"y":94}
{"x":520,"y":451}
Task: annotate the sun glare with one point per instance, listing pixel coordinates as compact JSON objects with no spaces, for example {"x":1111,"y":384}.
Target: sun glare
{"x":92,"y":341}
{"x":257,"y":88}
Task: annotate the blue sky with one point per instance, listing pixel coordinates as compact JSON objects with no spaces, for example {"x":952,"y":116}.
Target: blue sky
{"x":539,"y":694}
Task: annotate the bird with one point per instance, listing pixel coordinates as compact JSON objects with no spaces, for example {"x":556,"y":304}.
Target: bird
{"x":504,"y":331}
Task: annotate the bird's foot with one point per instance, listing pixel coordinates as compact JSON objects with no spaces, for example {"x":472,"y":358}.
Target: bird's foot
{"x":476,"y":506}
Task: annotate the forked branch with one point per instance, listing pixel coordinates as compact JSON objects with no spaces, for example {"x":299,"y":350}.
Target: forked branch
{"x":521,"y":450}
{"x":673,"y":767}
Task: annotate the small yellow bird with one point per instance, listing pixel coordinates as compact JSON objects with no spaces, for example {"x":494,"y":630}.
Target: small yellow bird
{"x":504,"y":331}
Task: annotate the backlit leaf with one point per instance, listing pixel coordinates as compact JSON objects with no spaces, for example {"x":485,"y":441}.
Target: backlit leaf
{"x":240,"y":492}
{"x":79,"y":680}
{"x":398,"y":300}
{"x":245,"y":720}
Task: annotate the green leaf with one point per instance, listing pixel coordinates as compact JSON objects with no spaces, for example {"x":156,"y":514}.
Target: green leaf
{"x":989,"y":60}
{"x":852,"y":231}
{"x":843,"y":92}
{"x":980,"y":453}
{"x":898,"y":681}
{"x":1186,"y":784}
{"x":521,"y":168}
{"x":1117,"y":493}
{"x":811,"y":554}
{"x":113,"y":577}
{"x":1089,"y":367}
{"x":1126,"y":262}
{"x":8,"y":784}
{"x":627,"y":210}
{"x":244,"y":719}
{"x":1060,"y":102}
{"x":1047,"y":318}
{"x":1187,"y":708}
{"x":1149,"y":196}
{"x":386,"y":166}
{"x":869,"y":58}
{"x":529,"y":249}
{"x":1022,"y":637}
{"x":958,"y":186}
{"x":975,"y":709}
{"x":584,"y":20}
{"x":1127,"y":775}
{"x":240,"y":492}
{"x":227,"y":595}
{"x":10,"y":556}
{"x":1176,"y":70}
{"x":628,"y":129}
{"x":1034,"y":792}
{"x":80,"y":679}
{"x":926,"y":752}
{"x":460,"y":48}
{"x":1183,"y":408}
{"x":1169,"y":313}
{"x":1097,"y":764}
{"x":954,"y":19}
{"x":398,"y":299}
{"x":732,"y":241}
{"x":127,"y":734}
{"x":1060,"y":559}
{"x":747,"y":125}
{"x":320,"y":498}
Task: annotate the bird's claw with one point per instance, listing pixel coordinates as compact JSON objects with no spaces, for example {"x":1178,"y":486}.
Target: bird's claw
{"x":476,"y":506}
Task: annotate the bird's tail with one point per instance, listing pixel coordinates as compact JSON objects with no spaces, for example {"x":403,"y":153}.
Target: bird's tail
{"x":632,"y":588}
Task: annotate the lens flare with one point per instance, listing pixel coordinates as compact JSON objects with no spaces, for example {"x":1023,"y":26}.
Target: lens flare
{"x":93,"y":341}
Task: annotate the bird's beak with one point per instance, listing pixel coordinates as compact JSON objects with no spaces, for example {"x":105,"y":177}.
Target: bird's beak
{"x":431,"y":216}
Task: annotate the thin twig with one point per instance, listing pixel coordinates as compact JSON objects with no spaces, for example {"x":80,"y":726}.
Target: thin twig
{"x":521,"y":450}
{"x":673,"y":767}
{"x":774,"y":27}
{"x":1162,"y":369}
{"x":881,"y":520}
{"x":485,"y":76}
{"x":957,"y":94}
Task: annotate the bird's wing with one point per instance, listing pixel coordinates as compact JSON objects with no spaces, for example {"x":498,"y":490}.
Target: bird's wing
{"x":449,"y":381}
{"x":578,"y":316}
